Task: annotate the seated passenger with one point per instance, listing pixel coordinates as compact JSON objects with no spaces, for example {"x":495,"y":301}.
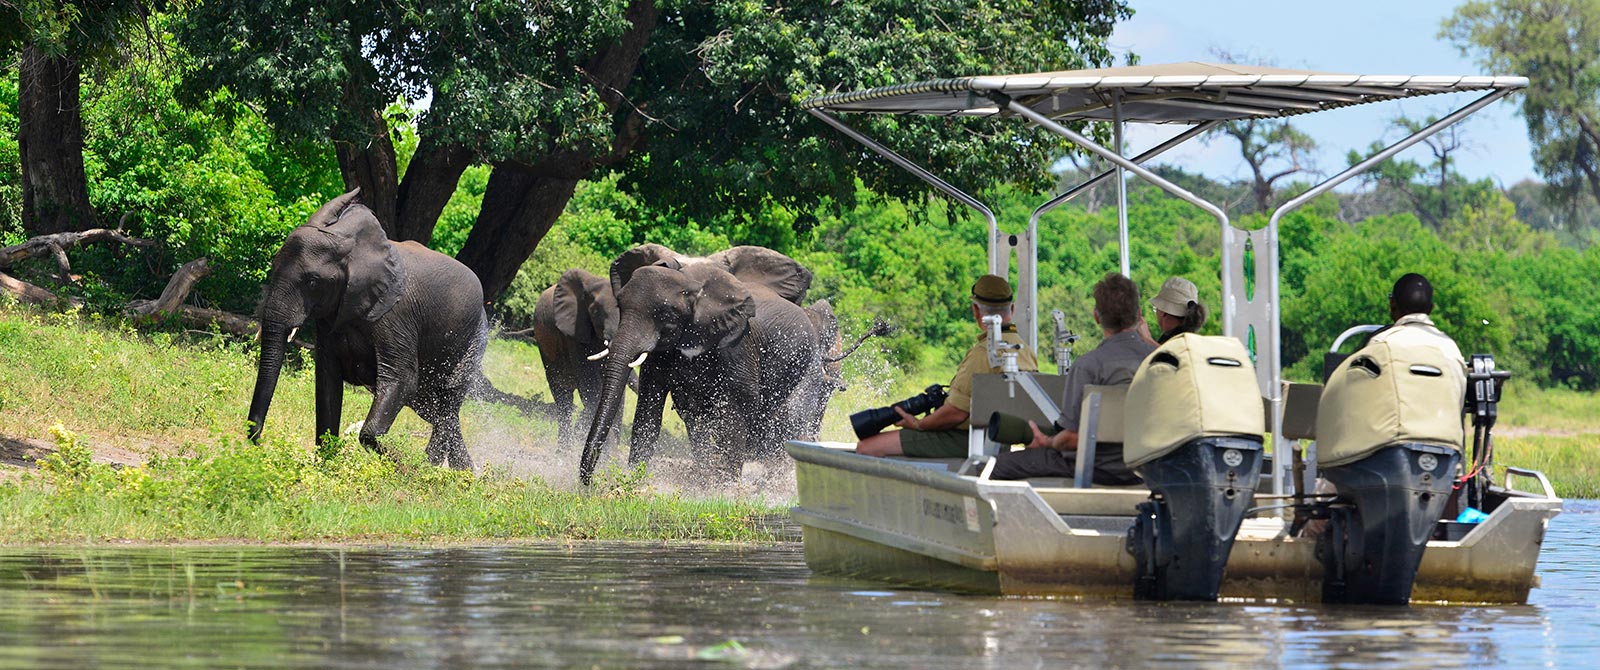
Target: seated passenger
{"x":943,"y":434}
{"x":1116,"y":309}
{"x":1410,"y":303}
{"x":1178,"y":310}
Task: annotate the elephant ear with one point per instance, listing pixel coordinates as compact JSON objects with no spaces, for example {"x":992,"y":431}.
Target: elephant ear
{"x":603,"y":311}
{"x":763,"y":266}
{"x":826,"y":323}
{"x":329,"y":212}
{"x":571,"y":310}
{"x":374,"y":274}
{"x":641,"y":256}
{"x":723,"y":310}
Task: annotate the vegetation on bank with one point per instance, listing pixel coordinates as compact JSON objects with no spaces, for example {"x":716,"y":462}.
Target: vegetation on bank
{"x":174,"y":402}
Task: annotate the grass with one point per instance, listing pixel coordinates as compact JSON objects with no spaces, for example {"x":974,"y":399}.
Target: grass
{"x":174,"y":403}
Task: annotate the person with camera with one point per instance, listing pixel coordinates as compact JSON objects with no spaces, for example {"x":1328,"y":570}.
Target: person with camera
{"x":1116,"y":309}
{"x":943,"y":434}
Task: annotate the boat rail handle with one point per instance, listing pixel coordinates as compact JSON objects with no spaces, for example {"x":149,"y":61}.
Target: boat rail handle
{"x":1544,"y":482}
{"x":1351,"y":332}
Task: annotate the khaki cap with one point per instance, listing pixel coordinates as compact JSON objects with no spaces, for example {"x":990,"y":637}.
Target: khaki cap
{"x":992,"y":290}
{"x":1175,"y":296}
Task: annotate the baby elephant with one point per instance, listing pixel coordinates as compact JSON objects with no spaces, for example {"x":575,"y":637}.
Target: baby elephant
{"x":398,"y":318}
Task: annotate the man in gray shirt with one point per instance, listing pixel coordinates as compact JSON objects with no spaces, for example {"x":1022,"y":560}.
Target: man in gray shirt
{"x":1116,"y":309}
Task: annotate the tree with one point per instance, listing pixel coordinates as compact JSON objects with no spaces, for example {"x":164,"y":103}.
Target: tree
{"x":55,"y":39}
{"x":693,"y":101}
{"x":1556,"y":44}
{"x":1435,"y":192}
{"x":1272,"y":149}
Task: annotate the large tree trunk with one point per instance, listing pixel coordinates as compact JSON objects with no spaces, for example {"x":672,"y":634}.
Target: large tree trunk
{"x":55,"y":192}
{"x":369,"y":162}
{"x":519,"y":207}
{"x":430,"y":180}
{"x":523,"y":202}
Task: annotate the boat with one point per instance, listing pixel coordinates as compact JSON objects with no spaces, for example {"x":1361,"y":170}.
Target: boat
{"x":1371,"y":517}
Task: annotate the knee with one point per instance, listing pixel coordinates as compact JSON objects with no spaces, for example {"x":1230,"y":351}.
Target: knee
{"x":882,"y":444}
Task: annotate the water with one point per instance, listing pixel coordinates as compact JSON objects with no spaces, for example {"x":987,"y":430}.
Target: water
{"x":606,"y":605}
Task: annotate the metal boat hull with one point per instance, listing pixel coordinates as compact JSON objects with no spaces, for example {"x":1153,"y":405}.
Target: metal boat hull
{"x":904,"y":522}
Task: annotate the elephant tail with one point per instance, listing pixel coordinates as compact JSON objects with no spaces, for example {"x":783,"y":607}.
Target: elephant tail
{"x":879,"y":329}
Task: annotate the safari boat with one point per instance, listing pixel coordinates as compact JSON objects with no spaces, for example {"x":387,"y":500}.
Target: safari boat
{"x":1219,"y":516}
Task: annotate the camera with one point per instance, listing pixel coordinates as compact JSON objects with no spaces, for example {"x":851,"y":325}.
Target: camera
{"x":869,"y":422}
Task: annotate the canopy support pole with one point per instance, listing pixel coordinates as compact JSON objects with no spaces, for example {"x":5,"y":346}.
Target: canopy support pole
{"x":1122,"y":186}
{"x":1029,"y":281}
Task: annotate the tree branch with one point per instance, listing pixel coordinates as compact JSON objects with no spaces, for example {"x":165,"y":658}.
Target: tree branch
{"x":57,"y":244}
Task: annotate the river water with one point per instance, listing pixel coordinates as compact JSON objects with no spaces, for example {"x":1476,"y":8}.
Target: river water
{"x":612,"y":605}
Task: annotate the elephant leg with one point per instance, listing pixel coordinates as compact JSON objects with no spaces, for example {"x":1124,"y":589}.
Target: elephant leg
{"x":446,"y":442}
{"x":387,"y":399}
{"x":562,"y":384}
{"x":647,"y":418}
{"x":329,"y":385}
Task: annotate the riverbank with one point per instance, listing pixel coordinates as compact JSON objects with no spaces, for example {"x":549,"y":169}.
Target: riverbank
{"x":111,"y":433}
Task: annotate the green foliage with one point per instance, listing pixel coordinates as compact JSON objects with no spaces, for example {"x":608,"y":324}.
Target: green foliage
{"x":10,"y":166}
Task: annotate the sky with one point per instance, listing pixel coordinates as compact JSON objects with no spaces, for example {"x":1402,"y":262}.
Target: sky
{"x":1351,"y":37}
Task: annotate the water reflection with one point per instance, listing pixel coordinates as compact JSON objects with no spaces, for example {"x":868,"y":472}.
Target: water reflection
{"x":648,"y":605}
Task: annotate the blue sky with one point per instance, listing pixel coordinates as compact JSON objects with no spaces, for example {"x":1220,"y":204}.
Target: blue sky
{"x":1352,"y":36}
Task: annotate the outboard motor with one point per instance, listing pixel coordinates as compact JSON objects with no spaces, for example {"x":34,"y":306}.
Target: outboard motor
{"x":1193,"y":432}
{"x":1388,"y":438}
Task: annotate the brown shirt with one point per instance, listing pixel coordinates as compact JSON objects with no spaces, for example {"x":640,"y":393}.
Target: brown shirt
{"x":977,"y":362}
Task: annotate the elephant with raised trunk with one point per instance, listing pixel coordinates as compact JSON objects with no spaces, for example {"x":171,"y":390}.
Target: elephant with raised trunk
{"x":573,"y":323}
{"x":725,"y":336}
{"x":402,"y":320}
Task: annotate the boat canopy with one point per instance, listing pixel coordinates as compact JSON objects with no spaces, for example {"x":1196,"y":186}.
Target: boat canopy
{"x":1182,"y":93}
{"x":1201,"y":95}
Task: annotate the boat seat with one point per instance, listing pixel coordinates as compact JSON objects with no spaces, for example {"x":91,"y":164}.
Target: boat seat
{"x":1100,"y":419}
{"x":991,"y":393}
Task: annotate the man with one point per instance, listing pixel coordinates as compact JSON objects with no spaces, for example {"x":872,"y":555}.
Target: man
{"x":1116,"y":309}
{"x":1410,"y":303}
{"x":943,"y":434}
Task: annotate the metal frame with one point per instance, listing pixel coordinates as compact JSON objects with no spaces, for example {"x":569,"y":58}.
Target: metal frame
{"x":1261,"y":308}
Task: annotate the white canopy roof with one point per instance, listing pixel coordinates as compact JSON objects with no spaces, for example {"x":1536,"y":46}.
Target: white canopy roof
{"x":1190,"y":92}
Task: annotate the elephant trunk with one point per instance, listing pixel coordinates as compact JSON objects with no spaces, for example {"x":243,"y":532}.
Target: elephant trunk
{"x":639,"y":339}
{"x":273,"y":342}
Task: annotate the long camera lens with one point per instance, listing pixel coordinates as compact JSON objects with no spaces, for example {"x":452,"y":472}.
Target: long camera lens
{"x":869,"y":422}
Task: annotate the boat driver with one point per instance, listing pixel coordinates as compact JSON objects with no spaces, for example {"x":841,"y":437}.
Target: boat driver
{"x":943,"y":434}
{"x":1116,"y":309}
{"x":1410,"y":303}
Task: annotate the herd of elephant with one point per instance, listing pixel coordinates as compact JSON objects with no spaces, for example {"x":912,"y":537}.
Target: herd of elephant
{"x":727,"y":336}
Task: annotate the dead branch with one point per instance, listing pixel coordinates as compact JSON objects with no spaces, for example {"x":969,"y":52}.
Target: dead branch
{"x":526,"y":335}
{"x":33,"y":294}
{"x":177,"y":289}
{"x":57,"y":244}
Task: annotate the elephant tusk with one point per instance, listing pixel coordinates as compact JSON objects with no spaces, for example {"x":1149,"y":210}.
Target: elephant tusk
{"x":603,"y":353}
{"x":292,"y":331}
{"x":639,"y":361}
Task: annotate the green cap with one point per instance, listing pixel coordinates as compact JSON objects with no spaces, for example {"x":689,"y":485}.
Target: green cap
{"x":992,"y":290}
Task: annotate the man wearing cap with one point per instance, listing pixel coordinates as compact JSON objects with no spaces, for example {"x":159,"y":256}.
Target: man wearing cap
{"x":1178,"y":310}
{"x":943,"y":434}
{"x":1116,"y":309}
{"x":1410,"y":303}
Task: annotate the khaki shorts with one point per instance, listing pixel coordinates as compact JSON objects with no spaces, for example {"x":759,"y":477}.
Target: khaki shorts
{"x":934,"y":443}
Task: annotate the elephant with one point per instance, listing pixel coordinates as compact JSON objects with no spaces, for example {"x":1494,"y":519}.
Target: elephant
{"x":402,"y":320}
{"x":572,"y":324}
{"x":811,"y":398}
{"x":724,"y":335}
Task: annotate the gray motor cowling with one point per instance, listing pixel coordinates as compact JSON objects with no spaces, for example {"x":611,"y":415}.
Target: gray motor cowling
{"x":1193,"y":432}
{"x":1389,"y":440}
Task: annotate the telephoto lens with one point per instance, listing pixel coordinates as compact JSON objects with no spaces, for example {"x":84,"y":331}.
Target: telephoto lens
{"x":1008,"y":429}
{"x":869,"y":422}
